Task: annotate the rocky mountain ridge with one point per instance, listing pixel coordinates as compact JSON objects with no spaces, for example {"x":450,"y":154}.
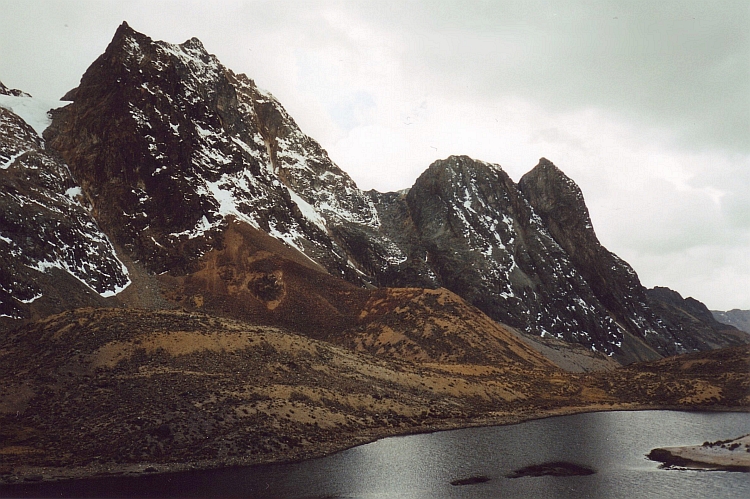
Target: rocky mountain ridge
{"x":189,"y":167}
{"x":691,"y":322}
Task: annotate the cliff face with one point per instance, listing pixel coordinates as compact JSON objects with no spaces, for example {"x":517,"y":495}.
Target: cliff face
{"x":482,"y":240}
{"x":53,"y":255}
{"x":168,"y":145}
{"x":560,"y":204}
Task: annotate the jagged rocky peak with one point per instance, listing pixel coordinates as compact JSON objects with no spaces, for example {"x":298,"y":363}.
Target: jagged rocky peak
{"x":483,"y":241}
{"x":528,"y":256}
{"x":168,"y":143}
{"x":12,"y":91}
{"x":559,"y":201}
{"x":52,"y":253}
{"x":560,"y":204}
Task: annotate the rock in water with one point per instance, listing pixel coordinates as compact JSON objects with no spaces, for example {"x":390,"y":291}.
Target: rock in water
{"x":557,"y":468}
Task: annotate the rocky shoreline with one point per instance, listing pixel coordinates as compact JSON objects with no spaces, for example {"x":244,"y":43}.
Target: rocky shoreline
{"x":37,"y":474}
{"x":723,"y":455}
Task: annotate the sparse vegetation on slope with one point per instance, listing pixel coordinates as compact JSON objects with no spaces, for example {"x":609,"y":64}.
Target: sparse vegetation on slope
{"x":115,"y":390}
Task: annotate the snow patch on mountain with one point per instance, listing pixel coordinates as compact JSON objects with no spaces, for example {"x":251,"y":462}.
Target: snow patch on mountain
{"x":44,"y":225}
{"x":33,"y":110}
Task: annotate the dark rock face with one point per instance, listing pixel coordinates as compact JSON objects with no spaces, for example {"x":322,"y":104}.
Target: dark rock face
{"x":691,"y":323}
{"x":560,"y":204}
{"x":470,"y":480}
{"x":483,"y":241}
{"x":53,"y":255}
{"x":660,"y":317}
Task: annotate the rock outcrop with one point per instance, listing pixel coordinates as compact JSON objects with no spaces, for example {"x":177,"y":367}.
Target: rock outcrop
{"x":11,"y":91}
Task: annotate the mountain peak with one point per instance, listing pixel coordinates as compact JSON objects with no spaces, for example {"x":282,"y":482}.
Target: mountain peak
{"x":196,"y":145}
{"x":545,"y":162}
{"x":549,"y":190}
{"x":194,"y":44}
{"x":465,"y":167}
{"x":125,"y":32}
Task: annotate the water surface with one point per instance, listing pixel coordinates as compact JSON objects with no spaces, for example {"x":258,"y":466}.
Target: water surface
{"x":422,"y":466}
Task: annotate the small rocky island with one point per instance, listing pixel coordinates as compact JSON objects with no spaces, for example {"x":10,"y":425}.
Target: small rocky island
{"x":726,"y":455}
{"x":557,"y":468}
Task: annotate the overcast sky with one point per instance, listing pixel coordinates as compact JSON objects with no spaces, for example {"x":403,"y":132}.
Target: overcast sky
{"x":646,"y":105}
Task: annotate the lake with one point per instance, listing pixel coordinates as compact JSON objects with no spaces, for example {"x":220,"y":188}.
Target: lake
{"x":423,"y":466}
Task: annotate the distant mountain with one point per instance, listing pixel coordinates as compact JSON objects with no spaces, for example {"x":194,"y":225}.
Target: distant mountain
{"x":204,"y":180}
{"x":692,"y":324}
{"x":737,"y":318}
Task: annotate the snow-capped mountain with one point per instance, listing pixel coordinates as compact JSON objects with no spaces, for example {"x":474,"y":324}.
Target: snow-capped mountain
{"x":168,"y":144}
{"x":171,"y":149}
{"x":52,"y":253}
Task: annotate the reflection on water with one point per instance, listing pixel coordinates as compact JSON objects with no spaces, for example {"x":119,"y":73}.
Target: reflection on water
{"x":422,"y":466}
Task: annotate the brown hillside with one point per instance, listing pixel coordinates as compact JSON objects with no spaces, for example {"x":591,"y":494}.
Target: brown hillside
{"x":256,"y":278}
{"x":124,"y":387}
{"x":253,"y":276}
{"x":436,"y":326}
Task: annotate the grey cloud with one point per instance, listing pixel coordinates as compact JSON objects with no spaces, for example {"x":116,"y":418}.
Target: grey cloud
{"x":676,"y":64}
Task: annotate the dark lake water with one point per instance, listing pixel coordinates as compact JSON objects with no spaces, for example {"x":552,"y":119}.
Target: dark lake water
{"x":422,"y":466}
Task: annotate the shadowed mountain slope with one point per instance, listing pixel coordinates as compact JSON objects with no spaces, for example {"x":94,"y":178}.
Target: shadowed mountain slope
{"x":53,"y":255}
{"x":693,"y":325}
{"x":735,"y":317}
